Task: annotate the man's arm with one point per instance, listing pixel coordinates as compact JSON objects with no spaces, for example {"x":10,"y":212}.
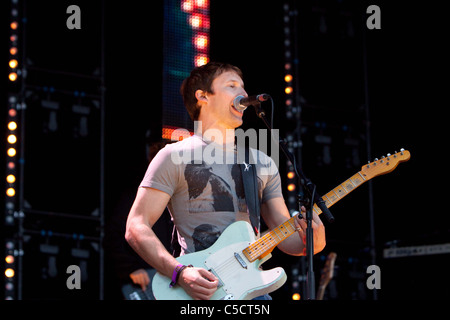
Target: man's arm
{"x":275,"y":212}
{"x":146,"y":210}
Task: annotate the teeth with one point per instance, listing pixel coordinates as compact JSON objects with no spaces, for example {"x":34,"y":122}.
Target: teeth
{"x":242,"y":112}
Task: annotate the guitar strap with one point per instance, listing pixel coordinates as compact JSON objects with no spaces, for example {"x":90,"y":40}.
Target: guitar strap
{"x":250,"y":183}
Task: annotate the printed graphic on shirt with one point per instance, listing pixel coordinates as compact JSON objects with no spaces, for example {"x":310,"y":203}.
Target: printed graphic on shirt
{"x":209,"y":192}
{"x":204,"y":236}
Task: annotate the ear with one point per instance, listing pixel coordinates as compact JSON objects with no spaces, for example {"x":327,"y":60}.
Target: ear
{"x":201,"y":95}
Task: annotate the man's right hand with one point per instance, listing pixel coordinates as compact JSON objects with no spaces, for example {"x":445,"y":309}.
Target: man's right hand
{"x":199,"y":283}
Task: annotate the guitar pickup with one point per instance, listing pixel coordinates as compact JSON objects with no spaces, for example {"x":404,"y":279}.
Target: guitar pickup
{"x":240,"y":260}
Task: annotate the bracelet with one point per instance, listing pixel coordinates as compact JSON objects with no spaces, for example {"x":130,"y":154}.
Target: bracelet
{"x":176,"y":273}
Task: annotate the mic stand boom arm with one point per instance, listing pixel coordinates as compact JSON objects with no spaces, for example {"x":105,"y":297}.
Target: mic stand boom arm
{"x":313,"y":197}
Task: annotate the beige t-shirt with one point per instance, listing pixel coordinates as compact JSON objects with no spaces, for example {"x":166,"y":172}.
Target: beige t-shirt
{"x":205,"y":184}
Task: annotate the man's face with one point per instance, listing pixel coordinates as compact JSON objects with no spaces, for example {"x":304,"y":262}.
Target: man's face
{"x":226,"y":87}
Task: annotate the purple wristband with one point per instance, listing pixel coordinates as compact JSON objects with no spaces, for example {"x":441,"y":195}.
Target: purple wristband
{"x":175,"y":275}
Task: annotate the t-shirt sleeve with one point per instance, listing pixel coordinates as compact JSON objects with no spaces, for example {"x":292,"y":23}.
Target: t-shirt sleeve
{"x":270,"y":174}
{"x":273,"y":188}
{"x":162,"y":172}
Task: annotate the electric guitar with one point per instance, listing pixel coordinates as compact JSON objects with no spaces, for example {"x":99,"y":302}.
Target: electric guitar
{"x":236,"y":257}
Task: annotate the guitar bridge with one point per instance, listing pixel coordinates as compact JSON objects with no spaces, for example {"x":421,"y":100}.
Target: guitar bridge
{"x":220,"y":281}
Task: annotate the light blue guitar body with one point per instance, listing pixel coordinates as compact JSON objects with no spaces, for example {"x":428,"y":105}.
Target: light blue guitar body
{"x":238,"y":277}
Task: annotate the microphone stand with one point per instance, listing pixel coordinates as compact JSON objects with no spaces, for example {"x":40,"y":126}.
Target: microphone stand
{"x":312,"y":198}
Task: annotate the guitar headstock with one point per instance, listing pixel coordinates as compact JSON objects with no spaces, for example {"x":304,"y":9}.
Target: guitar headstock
{"x":385,"y":165}
{"x":328,"y":270}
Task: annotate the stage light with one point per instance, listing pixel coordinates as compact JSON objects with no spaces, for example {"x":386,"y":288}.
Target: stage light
{"x":187,"y":6}
{"x":9,"y":259}
{"x":201,"y":60}
{"x":12,"y":139}
{"x":296,"y":296}
{"x":195,"y":20}
{"x":291,"y":187}
{"x":12,"y":125}
{"x":13,"y":51}
{"x":199,"y":21}
{"x":10,"y":192}
{"x":186,"y":41}
{"x":10,"y":178}
{"x":12,"y":76}
{"x":201,"y":42}
{"x":202,"y":4}
{"x":288,"y":78}
{"x":13,"y":63}
{"x":290,"y":175}
{"x":288,"y":90}
{"x":9,"y":273}
{"x":11,"y":152}
{"x":14,"y":25}
{"x":12,"y":112}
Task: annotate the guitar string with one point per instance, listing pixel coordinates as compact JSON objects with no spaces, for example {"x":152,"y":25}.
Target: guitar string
{"x":258,"y":247}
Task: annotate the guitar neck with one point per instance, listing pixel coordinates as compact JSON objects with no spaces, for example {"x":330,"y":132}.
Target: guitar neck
{"x":269,"y":241}
{"x":342,"y":190}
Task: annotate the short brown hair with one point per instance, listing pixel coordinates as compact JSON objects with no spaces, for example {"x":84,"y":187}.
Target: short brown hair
{"x":201,"y":78}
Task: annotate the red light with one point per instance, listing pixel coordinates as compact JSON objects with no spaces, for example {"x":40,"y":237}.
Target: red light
{"x":201,"y":60}
{"x":199,"y":21}
{"x":187,"y":6}
{"x":202,"y":4}
{"x":201,"y":42}
{"x":175,"y":134}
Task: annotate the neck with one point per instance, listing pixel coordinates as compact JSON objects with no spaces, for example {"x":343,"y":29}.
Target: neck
{"x":214,"y":132}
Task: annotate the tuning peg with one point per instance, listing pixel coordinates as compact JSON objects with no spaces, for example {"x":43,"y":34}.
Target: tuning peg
{"x":401,"y":151}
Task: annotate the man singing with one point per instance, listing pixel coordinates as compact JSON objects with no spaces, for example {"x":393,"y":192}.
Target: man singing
{"x":204,"y":197}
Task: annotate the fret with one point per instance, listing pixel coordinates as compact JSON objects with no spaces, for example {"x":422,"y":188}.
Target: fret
{"x":292,"y":226}
{"x":361,"y":176}
{"x":275,"y":233}
{"x":334,"y":190}
{"x":340,"y":191}
{"x":353,"y":184}
{"x":333,"y":197}
{"x":317,"y":210}
{"x":328,"y":201}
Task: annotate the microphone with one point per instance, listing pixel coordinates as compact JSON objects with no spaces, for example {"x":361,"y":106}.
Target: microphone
{"x":241,"y":103}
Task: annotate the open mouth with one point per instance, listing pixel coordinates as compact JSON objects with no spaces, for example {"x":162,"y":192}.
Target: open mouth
{"x":234,"y":108}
